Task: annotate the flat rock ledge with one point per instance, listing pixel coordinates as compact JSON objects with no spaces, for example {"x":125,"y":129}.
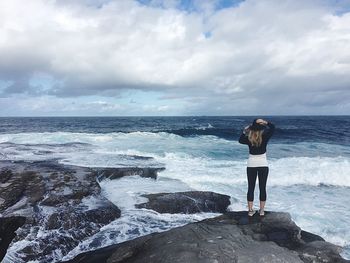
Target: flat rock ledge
{"x":232,"y":237}
{"x":186,"y":202}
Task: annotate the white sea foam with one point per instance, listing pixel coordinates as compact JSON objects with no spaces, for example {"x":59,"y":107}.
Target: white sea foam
{"x":125,"y":197}
{"x":208,"y":126}
{"x":311,"y":171}
{"x":201,"y":172}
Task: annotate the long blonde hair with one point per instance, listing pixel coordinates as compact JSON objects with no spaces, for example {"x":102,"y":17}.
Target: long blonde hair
{"x":255,"y":137}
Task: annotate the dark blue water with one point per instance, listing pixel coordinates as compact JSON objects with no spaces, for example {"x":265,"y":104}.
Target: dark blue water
{"x":289,"y":129}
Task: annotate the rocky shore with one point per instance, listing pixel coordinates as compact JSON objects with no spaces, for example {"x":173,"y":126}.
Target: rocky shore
{"x":232,"y":237}
{"x":49,"y":208}
{"x":61,"y":205}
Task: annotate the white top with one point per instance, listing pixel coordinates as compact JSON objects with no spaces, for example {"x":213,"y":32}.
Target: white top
{"x":258,"y":160}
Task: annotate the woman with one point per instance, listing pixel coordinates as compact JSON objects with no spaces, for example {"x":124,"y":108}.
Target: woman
{"x":256,"y":137}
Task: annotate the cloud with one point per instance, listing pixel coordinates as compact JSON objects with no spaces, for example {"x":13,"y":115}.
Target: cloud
{"x":257,"y":56}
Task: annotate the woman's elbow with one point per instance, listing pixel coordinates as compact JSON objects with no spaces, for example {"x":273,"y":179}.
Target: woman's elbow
{"x":242,"y":140}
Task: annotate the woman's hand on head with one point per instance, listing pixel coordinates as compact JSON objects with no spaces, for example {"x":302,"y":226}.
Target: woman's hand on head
{"x":261,"y":121}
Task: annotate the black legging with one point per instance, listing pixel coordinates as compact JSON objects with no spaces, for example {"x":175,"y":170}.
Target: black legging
{"x":262,"y":173}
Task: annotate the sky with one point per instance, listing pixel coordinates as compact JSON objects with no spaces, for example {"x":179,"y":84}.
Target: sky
{"x":174,"y":57}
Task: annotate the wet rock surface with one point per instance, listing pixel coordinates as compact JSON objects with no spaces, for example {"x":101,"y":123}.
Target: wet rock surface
{"x":115,"y":173}
{"x":62,"y":205}
{"x":187,"y":202}
{"x":8,"y":226}
{"x":232,"y":237}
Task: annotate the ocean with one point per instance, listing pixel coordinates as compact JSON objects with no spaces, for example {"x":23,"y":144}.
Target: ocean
{"x":309,"y":160}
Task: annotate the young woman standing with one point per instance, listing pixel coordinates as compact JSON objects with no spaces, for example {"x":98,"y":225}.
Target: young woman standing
{"x":256,"y":136}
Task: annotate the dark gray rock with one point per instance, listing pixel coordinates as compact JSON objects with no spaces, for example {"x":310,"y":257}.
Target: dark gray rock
{"x":8,"y":226}
{"x":55,"y":200}
{"x":320,"y":251}
{"x":232,"y":237}
{"x":13,"y":188}
{"x":278,"y":228}
{"x":187,"y":202}
{"x":71,"y":219}
{"x":309,"y":237}
{"x":115,"y":173}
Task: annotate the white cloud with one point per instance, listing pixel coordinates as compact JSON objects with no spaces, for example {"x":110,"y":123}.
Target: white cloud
{"x":259,"y":56}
